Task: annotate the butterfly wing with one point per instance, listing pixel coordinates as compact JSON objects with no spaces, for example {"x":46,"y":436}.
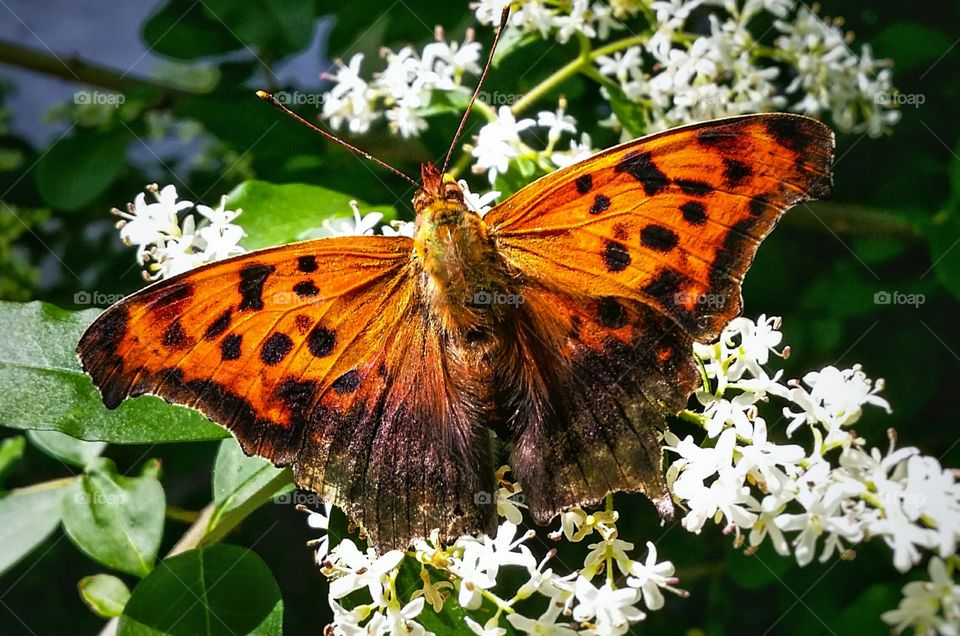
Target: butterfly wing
{"x":320,"y":356}
{"x":626,"y":258}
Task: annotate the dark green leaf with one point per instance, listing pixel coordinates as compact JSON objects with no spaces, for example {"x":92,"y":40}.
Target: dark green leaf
{"x":224,"y":589}
{"x":11,"y":450}
{"x":240,"y":481}
{"x":27,"y":517}
{"x":115,"y":520}
{"x":278,"y":214}
{"x":911,"y":45}
{"x":76,"y":170}
{"x":104,"y":594}
{"x":65,"y":448}
{"x":44,"y":388}
{"x":271,"y":27}
{"x":182,"y":29}
{"x":945,"y":250}
{"x":630,"y":114}
{"x":862,"y":616}
{"x":757,"y":570}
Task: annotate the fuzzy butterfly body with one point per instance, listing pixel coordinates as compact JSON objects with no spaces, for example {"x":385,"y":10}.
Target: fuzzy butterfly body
{"x":390,"y":372}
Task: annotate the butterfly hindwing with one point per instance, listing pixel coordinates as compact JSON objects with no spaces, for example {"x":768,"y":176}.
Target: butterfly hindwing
{"x":319,"y":356}
{"x":598,"y":376}
{"x":625,"y":259}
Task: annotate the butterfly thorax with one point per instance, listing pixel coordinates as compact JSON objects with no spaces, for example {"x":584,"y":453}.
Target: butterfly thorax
{"x":462,"y":272}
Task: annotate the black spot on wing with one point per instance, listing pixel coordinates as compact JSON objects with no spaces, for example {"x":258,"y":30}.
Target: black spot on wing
{"x":252,"y":279}
{"x":693,"y":187}
{"x":659,"y":238}
{"x":759,"y":205}
{"x":610,"y":313}
{"x":218,"y":326}
{"x":694,"y":212}
{"x":306,"y":288}
{"x":584,"y":183}
{"x":789,"y":132}
{"x":275,"y":348}
{"x":230,"y":347}
{"x":297,"y":395}
{"x":174,"y":337}
{"x":664,"y":287}
{"x":108,"y":330}
{"x":640,"y":166}
{"x":307,"y":264}
{"x":734,"y":254}
{"x":615,"y":256}
{"x":321,"y":341}
{"x":600,"y":204}
{"x":735,"y":172}
{"x":346,"y":383}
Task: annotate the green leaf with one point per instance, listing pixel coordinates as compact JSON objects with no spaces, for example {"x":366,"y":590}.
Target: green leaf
{"x":115,"y":520}
{"x":27,"y":517}
{"x":272,"y":27}
{"x":757,"y":570}
{"x":44,"y":388}
{"x":75,"y":452}
{"x":278,"y":214}
{"x":862,"y":616}
{"x":11,"y":450}
{"x":945,"y":250}
{"x":240,"y":482}
{"x":78,"y":169}
{"x":911,"y":45}
{"x":182,"y":30}
{"x":631,"y":115}
{"x":104,"y":594}
{"x":224,"y":589}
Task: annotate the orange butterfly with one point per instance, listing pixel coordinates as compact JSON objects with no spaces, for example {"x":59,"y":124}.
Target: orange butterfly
{"x":389,"y":371}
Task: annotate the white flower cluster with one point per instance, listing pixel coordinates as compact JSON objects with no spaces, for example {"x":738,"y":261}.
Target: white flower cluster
{"x":499,"y":142}
{"x":833,"y":489}
{"x":671,"y":74}
{"x":930,"y":607}
{"x":365,"y":599}
{"x":168,"y":242}
{"x":402,"y":91}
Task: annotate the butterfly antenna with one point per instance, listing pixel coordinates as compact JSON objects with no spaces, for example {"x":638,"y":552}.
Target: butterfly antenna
{"x":267,"y":97}
{"x":466,"y":114}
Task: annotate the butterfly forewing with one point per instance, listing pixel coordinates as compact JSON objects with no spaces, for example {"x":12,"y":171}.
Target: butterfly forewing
{"x":672,"y":220}
{"x":316,"y":355}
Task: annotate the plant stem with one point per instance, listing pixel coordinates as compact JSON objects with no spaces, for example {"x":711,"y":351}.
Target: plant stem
{"x":570,"y":69}
{"x":72,"y":68}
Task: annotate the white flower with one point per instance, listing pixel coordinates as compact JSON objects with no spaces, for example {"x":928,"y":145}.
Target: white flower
{"x":557,"y":123}
{"x":479,"y":203}
{"x":929,"y":606}
{"x":399,"y":620}
{"x":145,"y":224}
{"x":492,"y":627}
{"x":650,"y":576}
{"x":359,"y":225}
{"x":611,"y":610}
{"x":835,"y":399}
{"x":498,"y":142}
{"x":399,"y":228}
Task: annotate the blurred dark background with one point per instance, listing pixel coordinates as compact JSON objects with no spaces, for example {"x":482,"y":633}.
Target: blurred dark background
{"x":187,"y":71}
